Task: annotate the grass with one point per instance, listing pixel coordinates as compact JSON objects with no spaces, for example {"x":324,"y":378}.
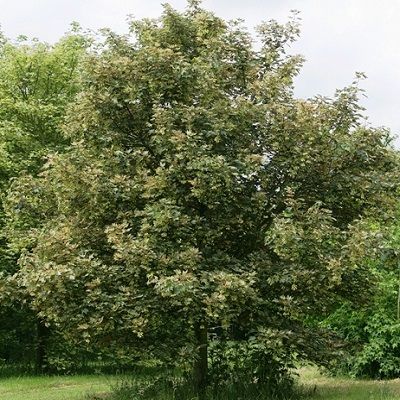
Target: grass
{"x":78,"y":387}
{"x":334,"y":388}
{"x":54,"y":387}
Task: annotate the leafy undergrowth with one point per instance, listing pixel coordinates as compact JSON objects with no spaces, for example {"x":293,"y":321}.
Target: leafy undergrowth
{"x":181,"y":390}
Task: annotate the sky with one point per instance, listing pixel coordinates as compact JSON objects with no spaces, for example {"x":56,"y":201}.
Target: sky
{"x":339,"y":38}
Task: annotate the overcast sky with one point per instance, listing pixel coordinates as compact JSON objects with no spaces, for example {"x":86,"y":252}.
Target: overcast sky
{"x":339,"y":37}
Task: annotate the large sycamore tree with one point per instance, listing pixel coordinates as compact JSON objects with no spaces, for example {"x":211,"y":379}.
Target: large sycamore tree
{"x":200,"y":200}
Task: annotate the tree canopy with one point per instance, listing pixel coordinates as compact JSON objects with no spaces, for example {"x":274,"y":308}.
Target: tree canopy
{"x":37,"y":82}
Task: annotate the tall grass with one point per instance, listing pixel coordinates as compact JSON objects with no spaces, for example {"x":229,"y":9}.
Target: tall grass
{"x":181,"y":388}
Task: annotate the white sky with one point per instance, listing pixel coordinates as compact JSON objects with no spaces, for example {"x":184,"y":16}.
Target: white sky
{"x":339,"y":37}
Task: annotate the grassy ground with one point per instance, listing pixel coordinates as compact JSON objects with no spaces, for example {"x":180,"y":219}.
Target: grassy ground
{"x":53,"y":388}
{"x":326,"y":388}
{"x":77,"y":387}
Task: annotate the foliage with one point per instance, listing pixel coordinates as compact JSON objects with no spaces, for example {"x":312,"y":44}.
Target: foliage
{"x":176,"y":387}
{"x":256,"y":362}
{"x":373,"y":332}
{"x":37,"y":82}
{"x":199,"y":196}
{"x":16,"y":343}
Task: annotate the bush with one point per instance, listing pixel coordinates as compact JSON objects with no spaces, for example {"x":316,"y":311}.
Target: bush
{"x":250,"y":363}
{"x":181,"y":388}
{"x":372,"y":334}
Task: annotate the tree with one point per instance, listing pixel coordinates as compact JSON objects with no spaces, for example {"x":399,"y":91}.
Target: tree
{"x":37,"y":82}
{"x":200,"y":200}
{"x":372,"y":332}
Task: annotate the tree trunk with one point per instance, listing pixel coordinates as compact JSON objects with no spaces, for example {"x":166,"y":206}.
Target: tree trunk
{"x":200,"y":367}
{"x":42,"y":334}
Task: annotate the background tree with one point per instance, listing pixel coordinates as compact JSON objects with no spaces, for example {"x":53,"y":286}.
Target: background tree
{"x":372,"y":331}
{"x":200,"y":201}
{"x":37,"y":82}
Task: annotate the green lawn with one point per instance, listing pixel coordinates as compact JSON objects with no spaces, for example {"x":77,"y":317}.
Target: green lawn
{"x":76,"y":387}
{"x":54,"y":388}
